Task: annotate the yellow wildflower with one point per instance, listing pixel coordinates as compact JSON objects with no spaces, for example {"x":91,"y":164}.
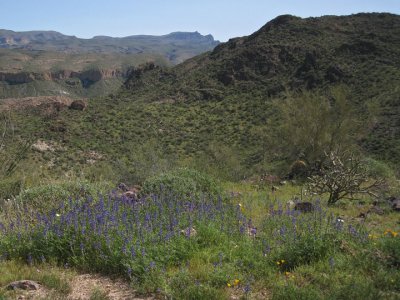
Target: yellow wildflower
{"x":236,"y":282}
{"x":280,"y":262}
{"x":391,"y":232}
{"x":228,"y":284}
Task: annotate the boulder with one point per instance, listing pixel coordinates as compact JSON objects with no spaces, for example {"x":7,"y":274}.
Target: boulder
{"x":123,"y":187}
{"x":27,"y":285}
{"x":78,"y":105}
{"x":376,"y":210}
{"x":304,"y":207}
{"x":396,"y":205}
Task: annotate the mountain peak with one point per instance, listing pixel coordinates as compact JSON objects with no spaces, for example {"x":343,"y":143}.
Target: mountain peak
{"x":179,"y":35}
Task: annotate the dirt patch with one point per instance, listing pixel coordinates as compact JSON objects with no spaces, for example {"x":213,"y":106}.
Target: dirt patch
{"x":84,"y":285}
{"x":43,"y":146}
{"x":28,"y":102}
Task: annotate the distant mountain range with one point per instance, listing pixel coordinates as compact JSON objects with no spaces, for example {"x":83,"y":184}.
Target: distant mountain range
{"x":54,"y":41}
{"x":41,"y":63}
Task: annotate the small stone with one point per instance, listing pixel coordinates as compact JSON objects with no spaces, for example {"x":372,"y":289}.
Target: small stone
{"x":290,"y":204}
{"x":189,"y":232}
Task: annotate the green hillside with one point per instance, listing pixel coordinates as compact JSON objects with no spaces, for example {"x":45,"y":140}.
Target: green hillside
{"x":215,"y":111}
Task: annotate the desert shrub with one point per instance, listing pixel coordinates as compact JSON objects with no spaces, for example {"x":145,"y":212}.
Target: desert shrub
{"x":293,"y":132}
{"x":52,"y":195}
{"x":221,"y":161}
{"x":378,"y":169}
{"x":182,"y":182}
{"x":184,"y":286}
{"x":298,"y":169}
{"x":356,"y":288}
{"x":343,"y":176}
{"x":390,"y":246}
{"x":10,"y":187}
{"x":293,"y":292}
{"x":144,"y":161}
{"x":305,"y":249}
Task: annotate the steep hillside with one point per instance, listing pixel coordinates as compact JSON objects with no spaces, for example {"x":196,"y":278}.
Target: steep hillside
{"x":213,"y":110}
{"x":41,"y":63}
{"x":361,"y":52}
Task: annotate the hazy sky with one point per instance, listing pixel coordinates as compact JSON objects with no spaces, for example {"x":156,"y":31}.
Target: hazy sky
{"x":224,"y":19}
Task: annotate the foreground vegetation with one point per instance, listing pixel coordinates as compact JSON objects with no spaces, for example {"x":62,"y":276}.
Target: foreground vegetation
{"x":198,"y":246}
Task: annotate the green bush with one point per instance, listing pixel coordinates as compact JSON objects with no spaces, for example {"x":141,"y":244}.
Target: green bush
{"x":48,"y":196}
{"x":305,"y":250}
{"x":182,"y":182}
{"x":292,"y":292}
{"x":184,"y":286}
{"x":378,"y":169}
{"x":10,"y":188}
{"x":390,"y":246}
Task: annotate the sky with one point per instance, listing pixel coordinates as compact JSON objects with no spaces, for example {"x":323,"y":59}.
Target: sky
{"x":223,"y":19}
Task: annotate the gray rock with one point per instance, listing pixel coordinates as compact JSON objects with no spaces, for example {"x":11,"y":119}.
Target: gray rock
{"x":376,"y":210}
{"x":189,"y":232}
{"x":396,"y":205}
{"x":304,"y":207}
{"x":27,"y":285}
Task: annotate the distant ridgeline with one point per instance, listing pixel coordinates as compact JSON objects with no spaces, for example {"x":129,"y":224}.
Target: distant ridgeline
{"x":43,"y":63}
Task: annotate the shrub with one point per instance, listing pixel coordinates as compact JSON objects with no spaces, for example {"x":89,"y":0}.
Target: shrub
{"x":183,"y":286}
{"x":378,"y":169}
{"x":343,"y":176}
{"x":182,"y":182}
{"x":45,"y":197}
{"x":305,"y":250}
{"x":390,"y":245}
{"x":10,"y":188}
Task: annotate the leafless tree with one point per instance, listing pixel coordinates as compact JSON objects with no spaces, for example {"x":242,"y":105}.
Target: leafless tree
{"x":343,"y":176}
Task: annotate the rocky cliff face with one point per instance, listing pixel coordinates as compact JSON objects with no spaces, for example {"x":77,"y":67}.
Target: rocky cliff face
{"x":84,"y":76}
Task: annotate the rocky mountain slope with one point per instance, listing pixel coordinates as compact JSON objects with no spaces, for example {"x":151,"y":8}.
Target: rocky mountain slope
{"x":360,"y":52}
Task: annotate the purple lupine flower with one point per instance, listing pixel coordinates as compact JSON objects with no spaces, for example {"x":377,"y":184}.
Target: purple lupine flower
{"x":253,"y":231}
{"x":247,"y":288}
{"x":82,"y":247}
{"x":331,"y":262}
